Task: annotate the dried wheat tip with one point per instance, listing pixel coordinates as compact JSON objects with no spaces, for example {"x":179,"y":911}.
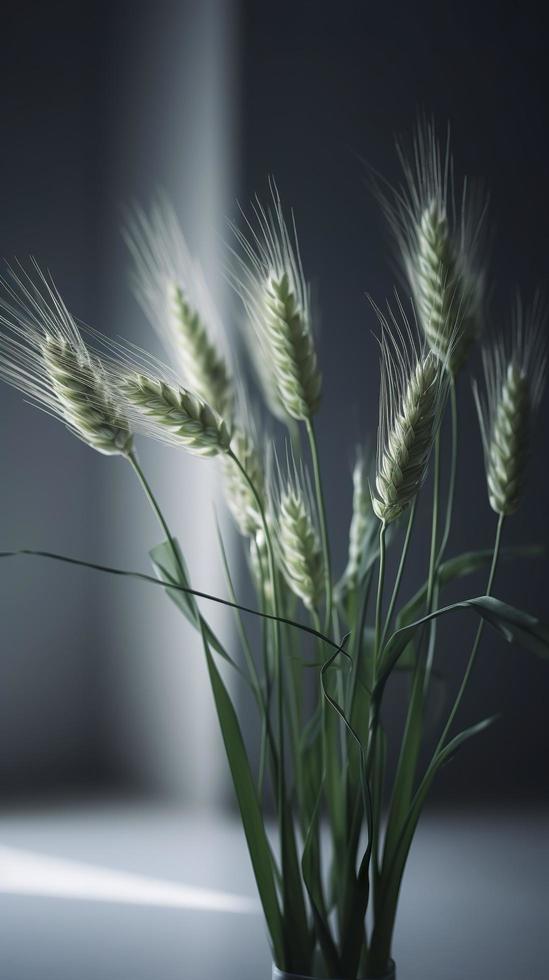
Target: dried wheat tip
{"x":171,"y":289}
{"x":42,"y":353}
{"x":297,"y":540}
{"x":238,"y":494}
{"x":438,"y":230}
{"x":414,"y":386}
{"x":173,"y":414}
{"x":514,"y":372}
{"x":361,"y":522}
{"x":270,"y":281}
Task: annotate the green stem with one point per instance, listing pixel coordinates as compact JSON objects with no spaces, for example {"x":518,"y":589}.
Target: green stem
{"x":434,"y":524}
{"x":433,"y":567}
{"x":379,"y":599}
{"x":294,"y":911}
{"x":386,"y":918}
{"x":400,"y":570}
{"x":453,"y":469}
{"x":276,"y":630}
{"x":134,"y":463}
{"x":476,"y":643}
{"x":323,"y":524}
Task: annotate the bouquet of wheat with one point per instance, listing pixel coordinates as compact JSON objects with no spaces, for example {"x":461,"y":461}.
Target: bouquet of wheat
{"x":328,"y":649}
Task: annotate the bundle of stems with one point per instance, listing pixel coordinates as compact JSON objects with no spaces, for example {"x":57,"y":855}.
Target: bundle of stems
{"x":320,"y":667}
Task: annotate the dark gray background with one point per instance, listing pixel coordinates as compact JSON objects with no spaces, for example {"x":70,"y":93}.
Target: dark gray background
{"x":91,"y":118}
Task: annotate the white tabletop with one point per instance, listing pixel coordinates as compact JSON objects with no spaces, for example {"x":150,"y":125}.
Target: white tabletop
{"x":132,"y":891}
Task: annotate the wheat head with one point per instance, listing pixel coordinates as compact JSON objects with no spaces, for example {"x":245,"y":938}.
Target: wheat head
{"x":439,"y":232}
{"x":362,"y":521}
{"x":413,"y":391}
{"x":515,"y":371}
{"x":270,"y":281}
{"x":43,"y":354}
{"x":172,"y":414}
{"x":170,"y":286}
{"x":296,"y":537}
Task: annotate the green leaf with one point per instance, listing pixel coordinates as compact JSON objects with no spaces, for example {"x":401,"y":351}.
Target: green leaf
{"x":248,"y":803}
{"x":459,"y":566}
{"x":392,"y":876}
{"x":168,"y":569}
{"x":514,"y":625}
{"x":449,"y":751}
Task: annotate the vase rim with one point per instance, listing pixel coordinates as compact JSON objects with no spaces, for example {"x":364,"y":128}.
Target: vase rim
{"x":283,"y":975}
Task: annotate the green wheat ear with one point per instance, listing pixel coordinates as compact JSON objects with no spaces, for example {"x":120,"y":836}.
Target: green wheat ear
{"x":414,"y":387}
{"x":43,"y":354}
{"x":515,"y":370}
{"x":86,"y":404}
{"x":173,"y":414}
{"x":438,"y":229}
{"x":362,"y":523}
{"x":297,"y":537}
{"x":206,"y":370}
{"x":270,"y":281}
{"x":171,"y":288}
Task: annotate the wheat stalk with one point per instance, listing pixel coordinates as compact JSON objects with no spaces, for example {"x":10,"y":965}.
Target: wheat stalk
{"x":514,"y":373}
{"x":43,"y":354}
{"x":413,"y":392}
{"x":276,"y":298}
{"x":172,"y":414}
{"x":439,"y":236}
{"x":238,"y":494}
{"x":172,"y":291}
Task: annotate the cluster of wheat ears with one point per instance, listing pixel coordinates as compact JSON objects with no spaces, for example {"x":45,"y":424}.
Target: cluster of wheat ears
{"x":330,"y":887}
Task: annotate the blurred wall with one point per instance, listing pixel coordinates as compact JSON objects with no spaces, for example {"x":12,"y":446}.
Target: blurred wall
{"x":49,"y":483}
{"x":104,"y":105}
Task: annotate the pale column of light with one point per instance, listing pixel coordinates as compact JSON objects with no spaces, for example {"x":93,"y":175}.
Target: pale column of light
{"x":163,"y":720}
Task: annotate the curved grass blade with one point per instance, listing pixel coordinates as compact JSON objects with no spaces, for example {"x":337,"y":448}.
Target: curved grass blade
{"x":392,"y":875}
{"x":460,"y":566}
{"x":514,"y":625}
